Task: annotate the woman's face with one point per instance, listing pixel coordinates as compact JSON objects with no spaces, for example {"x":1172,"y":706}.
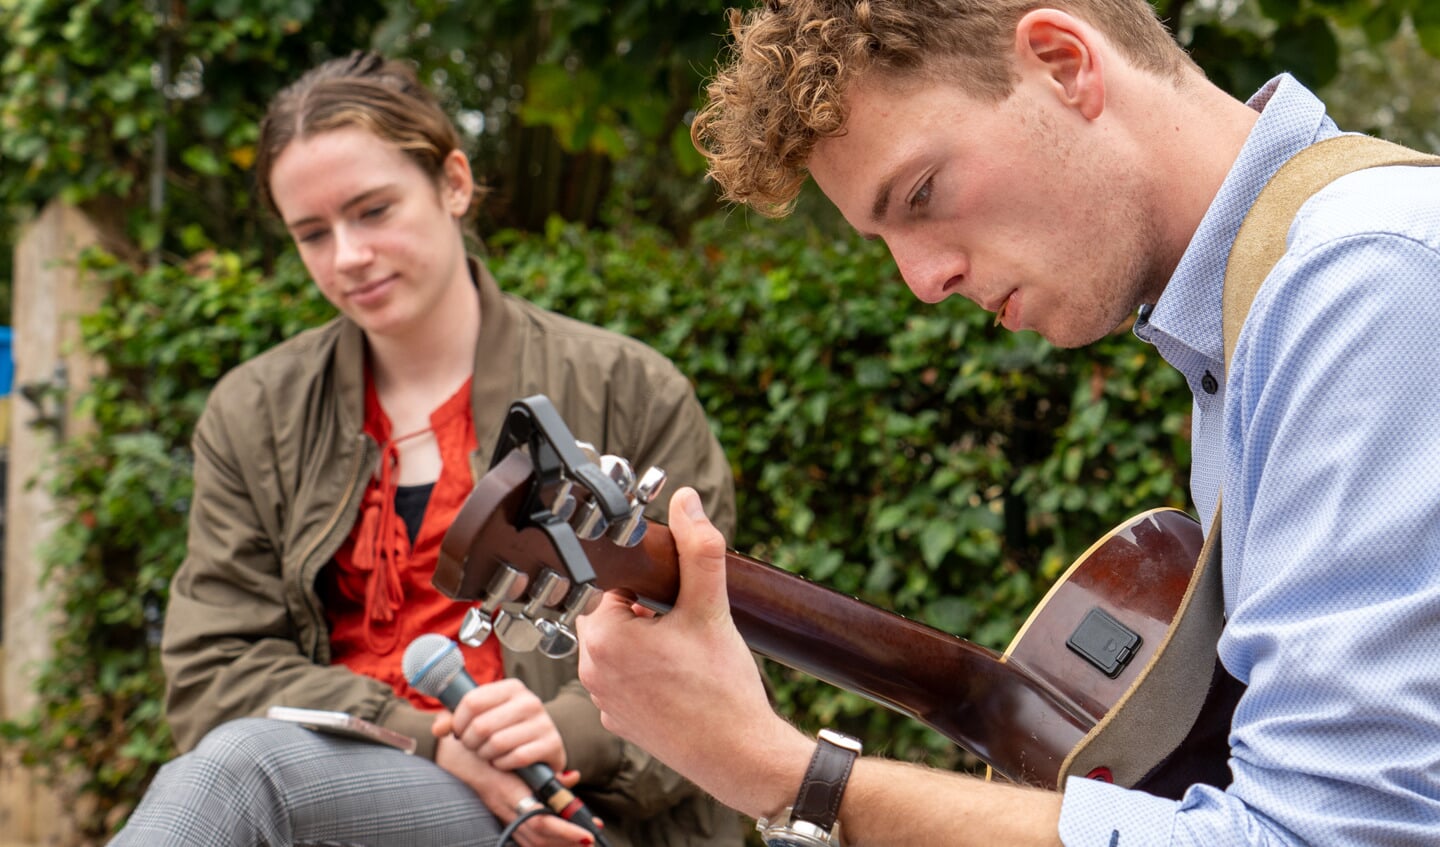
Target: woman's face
{"x":379,"y":236}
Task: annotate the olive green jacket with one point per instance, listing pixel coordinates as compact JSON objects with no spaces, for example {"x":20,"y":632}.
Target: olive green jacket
{"x":281,"y":460}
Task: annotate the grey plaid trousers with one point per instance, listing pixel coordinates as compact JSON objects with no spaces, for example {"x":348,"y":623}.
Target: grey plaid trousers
{"x":258,"y":782}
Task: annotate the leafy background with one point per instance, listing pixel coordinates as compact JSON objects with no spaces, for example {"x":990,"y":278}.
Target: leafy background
{"x":915,"y":457}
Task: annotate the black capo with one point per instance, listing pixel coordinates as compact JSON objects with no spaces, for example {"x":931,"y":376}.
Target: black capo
{"x":533,"y":423}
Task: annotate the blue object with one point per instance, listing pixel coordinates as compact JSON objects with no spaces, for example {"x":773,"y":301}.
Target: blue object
{"x":7,"y":361}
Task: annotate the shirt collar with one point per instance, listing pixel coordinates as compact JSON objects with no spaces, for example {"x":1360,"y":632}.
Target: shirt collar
{"x":1187,"y":318}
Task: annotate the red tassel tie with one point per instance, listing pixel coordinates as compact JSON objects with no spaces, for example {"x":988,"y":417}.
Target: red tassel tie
{"x":382,"y":547}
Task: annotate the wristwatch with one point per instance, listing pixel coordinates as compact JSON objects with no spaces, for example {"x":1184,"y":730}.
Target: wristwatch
{"x":812,"y":821}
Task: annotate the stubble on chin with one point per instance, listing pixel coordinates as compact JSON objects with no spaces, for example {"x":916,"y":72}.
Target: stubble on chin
{"x":1109,"y":294}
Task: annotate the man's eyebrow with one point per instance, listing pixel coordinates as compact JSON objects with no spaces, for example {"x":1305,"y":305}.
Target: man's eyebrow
{"x":881,"y":205}
{"x":882,"y":200}
{"x":346,"y":206}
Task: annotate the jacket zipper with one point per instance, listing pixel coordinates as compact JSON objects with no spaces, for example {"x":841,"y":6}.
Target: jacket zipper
{"x":307,"y":573}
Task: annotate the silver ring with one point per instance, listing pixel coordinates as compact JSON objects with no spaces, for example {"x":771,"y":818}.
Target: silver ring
{"x":527,"y":804}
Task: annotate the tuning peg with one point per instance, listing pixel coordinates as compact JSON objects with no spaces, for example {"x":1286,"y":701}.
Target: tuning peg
{"x":557,"y":637}
{"x":619,"y":470}
{"x":589,"y":521}
{"x":506,"y":585}
{"x":629,"y":532}
{"x":650,"y":484}
{"x":476,"y":626}
{"x":519,"y":631}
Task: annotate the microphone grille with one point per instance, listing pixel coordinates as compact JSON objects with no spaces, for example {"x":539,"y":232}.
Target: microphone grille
{"x":431,"y":663}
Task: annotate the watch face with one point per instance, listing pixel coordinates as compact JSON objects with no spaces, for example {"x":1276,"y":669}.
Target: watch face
{"x":783,"y":835}
{"x":793,"y":839}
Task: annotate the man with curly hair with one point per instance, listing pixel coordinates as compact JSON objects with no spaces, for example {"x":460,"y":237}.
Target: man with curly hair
{"x":1065,"y":166}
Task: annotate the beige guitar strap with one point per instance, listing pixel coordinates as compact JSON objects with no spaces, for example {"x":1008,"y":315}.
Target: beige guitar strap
{"x":1154,"y":717}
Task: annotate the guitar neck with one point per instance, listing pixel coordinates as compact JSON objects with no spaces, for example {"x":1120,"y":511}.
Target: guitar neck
{"x":962,"y":690}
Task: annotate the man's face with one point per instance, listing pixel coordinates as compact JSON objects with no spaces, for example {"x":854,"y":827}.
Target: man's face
{"x":1025,"y":207}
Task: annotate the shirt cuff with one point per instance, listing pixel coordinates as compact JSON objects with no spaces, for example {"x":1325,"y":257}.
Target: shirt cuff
{"x":1099,"y":814}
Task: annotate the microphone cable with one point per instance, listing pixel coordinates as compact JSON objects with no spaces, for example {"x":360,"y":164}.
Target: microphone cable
{"x":507,"y":835}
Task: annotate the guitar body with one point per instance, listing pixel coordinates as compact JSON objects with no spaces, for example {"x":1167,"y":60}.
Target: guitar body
{"x":1021,"y":712}
{"x":1137,"y":574}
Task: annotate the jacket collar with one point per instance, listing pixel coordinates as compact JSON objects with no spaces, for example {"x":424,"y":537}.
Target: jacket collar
{"x":497,"y":358}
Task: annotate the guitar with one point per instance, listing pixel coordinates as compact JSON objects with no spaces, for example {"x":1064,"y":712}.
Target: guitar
{"x":1021,"y":711}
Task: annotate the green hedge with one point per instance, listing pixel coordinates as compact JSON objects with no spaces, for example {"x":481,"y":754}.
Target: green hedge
{"x":911,"y":455}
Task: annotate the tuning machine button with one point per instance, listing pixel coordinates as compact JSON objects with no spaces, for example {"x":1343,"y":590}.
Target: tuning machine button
{"x":520,"y":631}
{"x":629,"y":532}
{"x":557,"y":637}
{"x":619,"y":470}
{"x":506,"y":585}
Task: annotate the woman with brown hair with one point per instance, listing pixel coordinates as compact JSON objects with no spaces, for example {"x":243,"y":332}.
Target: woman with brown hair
{"x":326,"y":473}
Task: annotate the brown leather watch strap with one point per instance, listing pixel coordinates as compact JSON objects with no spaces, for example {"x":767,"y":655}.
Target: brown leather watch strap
{"x":818,"y":802}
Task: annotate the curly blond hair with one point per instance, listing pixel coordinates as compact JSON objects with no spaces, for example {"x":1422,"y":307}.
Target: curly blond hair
{"x":782,"y":86}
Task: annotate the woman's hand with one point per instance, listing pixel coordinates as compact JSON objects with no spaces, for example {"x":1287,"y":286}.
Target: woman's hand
{"x":506,"y":725}
{"x":502,"y":793}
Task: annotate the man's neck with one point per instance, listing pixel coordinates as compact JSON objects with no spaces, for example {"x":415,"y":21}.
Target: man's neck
{"x":1193,"y":137}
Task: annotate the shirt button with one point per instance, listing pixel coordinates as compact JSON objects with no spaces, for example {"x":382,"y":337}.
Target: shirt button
{"x":1208,"y":383}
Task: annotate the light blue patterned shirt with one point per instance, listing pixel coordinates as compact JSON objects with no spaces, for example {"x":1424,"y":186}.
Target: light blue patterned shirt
{"x":1326,"y":436}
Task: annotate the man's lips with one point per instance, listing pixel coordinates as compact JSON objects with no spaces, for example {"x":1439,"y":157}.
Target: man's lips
{"x":1000,"y":309}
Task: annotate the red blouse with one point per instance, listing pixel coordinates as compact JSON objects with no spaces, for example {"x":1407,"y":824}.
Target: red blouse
{"x":378,"y":592}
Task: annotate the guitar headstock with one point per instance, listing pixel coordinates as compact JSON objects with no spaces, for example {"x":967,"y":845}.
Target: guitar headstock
{"x":515,"y":546}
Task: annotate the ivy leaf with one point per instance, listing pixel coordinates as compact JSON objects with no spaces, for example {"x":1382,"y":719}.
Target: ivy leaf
{"x":937,"y":539}
{"x":202,"y":160}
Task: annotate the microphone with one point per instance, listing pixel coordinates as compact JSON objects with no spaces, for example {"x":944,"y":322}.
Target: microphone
{"x":433,"y":665}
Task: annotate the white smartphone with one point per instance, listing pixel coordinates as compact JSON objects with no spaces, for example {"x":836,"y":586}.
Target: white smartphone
{"x":342,"y":723}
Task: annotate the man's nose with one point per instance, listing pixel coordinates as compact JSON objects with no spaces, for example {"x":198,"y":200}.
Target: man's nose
{"x":928,"y":272}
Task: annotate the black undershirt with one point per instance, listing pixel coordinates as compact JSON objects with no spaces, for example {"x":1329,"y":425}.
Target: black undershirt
{"x":410,"y":503}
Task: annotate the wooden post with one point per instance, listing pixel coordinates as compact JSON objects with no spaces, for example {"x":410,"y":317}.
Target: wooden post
{"x":50,"y":372}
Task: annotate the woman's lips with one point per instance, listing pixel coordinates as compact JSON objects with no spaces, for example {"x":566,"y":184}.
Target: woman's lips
{"x":370,"y":291}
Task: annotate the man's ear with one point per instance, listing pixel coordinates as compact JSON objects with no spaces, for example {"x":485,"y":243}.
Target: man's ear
{"x":1061,"y":48}
{"x":457,"y":184}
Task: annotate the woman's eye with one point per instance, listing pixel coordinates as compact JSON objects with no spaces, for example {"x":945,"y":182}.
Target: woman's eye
{"x":921,"y":197}
{"x":310,"y":237}
{"x":375,"y":211}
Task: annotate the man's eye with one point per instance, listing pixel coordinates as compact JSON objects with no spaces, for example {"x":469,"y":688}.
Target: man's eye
{"x":921,"y":197}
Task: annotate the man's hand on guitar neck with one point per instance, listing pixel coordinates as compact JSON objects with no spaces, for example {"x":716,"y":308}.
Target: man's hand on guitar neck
{"x":685,"y":687}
